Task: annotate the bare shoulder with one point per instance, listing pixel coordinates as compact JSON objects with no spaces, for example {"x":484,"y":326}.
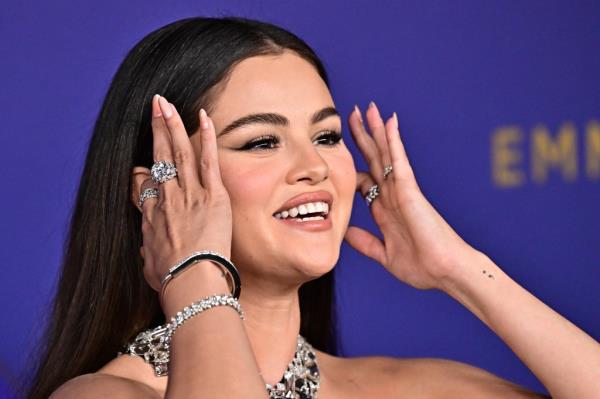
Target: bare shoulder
{"x":100,"y":385}
{"x":449,"y":379}
{"x":427,"y":378}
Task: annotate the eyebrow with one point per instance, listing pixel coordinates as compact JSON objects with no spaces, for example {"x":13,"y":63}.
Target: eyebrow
{"x":275,"y":119}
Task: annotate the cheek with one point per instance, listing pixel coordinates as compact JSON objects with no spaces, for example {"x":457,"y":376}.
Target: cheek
{"x":343,"y":175}
{"x":344,"y":172}
{"x":249,"y":186}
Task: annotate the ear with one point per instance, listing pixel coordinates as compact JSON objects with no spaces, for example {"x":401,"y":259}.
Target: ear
{"x":139,"y":175}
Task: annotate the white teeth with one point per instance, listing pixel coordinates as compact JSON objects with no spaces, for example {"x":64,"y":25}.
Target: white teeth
{"x":310,"y":218}
{"x":310,"y":207}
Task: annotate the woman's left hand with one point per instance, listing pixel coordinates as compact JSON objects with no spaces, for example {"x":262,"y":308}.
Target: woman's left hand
{"x":419,"y":247}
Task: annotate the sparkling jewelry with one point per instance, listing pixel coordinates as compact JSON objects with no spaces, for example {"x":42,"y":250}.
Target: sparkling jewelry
{"x":196,"y":308}
{"x":226,"y":266}
{"x":162,"y":171}
{"x":300,"y":380}
{"x":151,"y":192}
{"x":372,"y":194}
{"x":153,"y":344}
{"x":386,"y":171}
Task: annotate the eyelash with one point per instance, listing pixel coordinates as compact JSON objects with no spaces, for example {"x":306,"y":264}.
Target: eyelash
{"x":334,"y":137}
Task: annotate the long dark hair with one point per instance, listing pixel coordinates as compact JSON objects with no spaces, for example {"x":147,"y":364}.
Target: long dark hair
{"x":102,"y":299}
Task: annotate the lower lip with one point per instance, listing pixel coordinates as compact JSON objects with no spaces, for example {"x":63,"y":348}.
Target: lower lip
{"x":311,"y":225}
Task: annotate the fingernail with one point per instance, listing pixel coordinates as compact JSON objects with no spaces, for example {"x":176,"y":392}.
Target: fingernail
{"x":395,"y":120}
{"x":155,"y":107}
{"x":358,"y":113}
{"x":164,"y":107}
{"x":203,"y":119}
{"x":374,"y":106}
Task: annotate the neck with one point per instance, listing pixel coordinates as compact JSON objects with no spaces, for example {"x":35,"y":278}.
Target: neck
{"x":272,"y":322}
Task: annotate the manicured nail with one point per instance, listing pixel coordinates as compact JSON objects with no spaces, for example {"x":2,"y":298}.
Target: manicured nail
{"x":358,"y":113}
{"x":203,"y":119}
{"x":395,"y":120}
{"x":372,"y":105}
{"x":164,"y":107}
{"x":155,"y":107}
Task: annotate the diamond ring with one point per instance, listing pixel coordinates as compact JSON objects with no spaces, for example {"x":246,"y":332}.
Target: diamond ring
{"x":151,"y":192}
{"x":162,"y":171}
{"x":372,"y":194}
{"x":386,"y":171}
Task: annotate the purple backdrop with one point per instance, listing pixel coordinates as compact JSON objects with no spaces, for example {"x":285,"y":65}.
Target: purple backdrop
{"x":499,"y":111}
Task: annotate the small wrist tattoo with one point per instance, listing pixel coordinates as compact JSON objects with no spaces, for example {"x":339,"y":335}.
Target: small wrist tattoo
{"x":490,"y":275}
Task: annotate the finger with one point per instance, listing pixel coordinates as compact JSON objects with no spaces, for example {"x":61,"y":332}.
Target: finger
{"x":149,"y":203}
{"x":183,"y":153}
{"x":209,"y":157}
{"x":378,"y":129}
{"x":161,"y":142}
{"x":364,"y":181}
{"x":366,"y":243}
{"x":402,"y":173}
{"x":365,"y":142}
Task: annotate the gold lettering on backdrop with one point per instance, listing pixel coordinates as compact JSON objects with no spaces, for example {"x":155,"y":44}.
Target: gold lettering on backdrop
{"x":549,"y":153}
{"x":507,"y":156}
{"x":593,"y":150}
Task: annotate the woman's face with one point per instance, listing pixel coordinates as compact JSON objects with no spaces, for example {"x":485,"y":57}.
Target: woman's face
{"x":295,"y":153}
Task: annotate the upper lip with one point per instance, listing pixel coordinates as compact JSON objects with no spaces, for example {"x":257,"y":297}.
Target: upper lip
{"x":315,"y":196}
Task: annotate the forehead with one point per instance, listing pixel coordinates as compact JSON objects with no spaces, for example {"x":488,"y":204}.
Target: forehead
{"x":269,"y":83}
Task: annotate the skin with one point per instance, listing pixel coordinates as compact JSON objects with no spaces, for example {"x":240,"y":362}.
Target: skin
{"x":419,"y":248}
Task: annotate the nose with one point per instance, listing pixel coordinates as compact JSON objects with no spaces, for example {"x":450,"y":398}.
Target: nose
{"x":307,"y":164}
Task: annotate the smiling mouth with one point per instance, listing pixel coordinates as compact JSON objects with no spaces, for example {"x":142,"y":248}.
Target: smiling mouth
{"x":313,"y":211}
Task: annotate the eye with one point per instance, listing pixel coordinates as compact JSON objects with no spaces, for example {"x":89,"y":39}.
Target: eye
{"x":260,"y":143}
{"x":330,"y":138}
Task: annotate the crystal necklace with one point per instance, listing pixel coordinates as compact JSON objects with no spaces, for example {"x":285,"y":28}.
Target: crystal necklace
{"x":299,"y":381}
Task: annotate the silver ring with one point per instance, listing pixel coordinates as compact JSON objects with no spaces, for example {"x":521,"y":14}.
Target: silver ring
{"x":162,"y":171}
{"x":372,"y":194}
{"x":151,"y":192}
{"x":386,"y":171}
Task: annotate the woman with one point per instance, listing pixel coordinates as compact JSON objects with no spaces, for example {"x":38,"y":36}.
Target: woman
{"x":247,"y":119}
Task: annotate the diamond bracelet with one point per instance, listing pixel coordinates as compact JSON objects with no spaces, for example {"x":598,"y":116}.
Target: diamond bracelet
{"x":196,"y":308}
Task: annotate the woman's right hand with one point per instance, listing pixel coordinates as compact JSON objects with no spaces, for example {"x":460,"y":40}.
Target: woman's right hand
{"x":192,"y":212}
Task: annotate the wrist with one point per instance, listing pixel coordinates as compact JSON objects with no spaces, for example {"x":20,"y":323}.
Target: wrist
{"x":474,"y":263}
{"x":200,"y":280}
{"x":477,"y":283}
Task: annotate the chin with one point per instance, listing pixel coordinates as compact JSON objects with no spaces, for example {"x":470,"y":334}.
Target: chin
{"x":315,"y":266}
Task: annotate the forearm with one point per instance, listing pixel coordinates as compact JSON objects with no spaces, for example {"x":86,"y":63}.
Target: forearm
{"x":562,"y":356}
{"x":211,"y":356}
